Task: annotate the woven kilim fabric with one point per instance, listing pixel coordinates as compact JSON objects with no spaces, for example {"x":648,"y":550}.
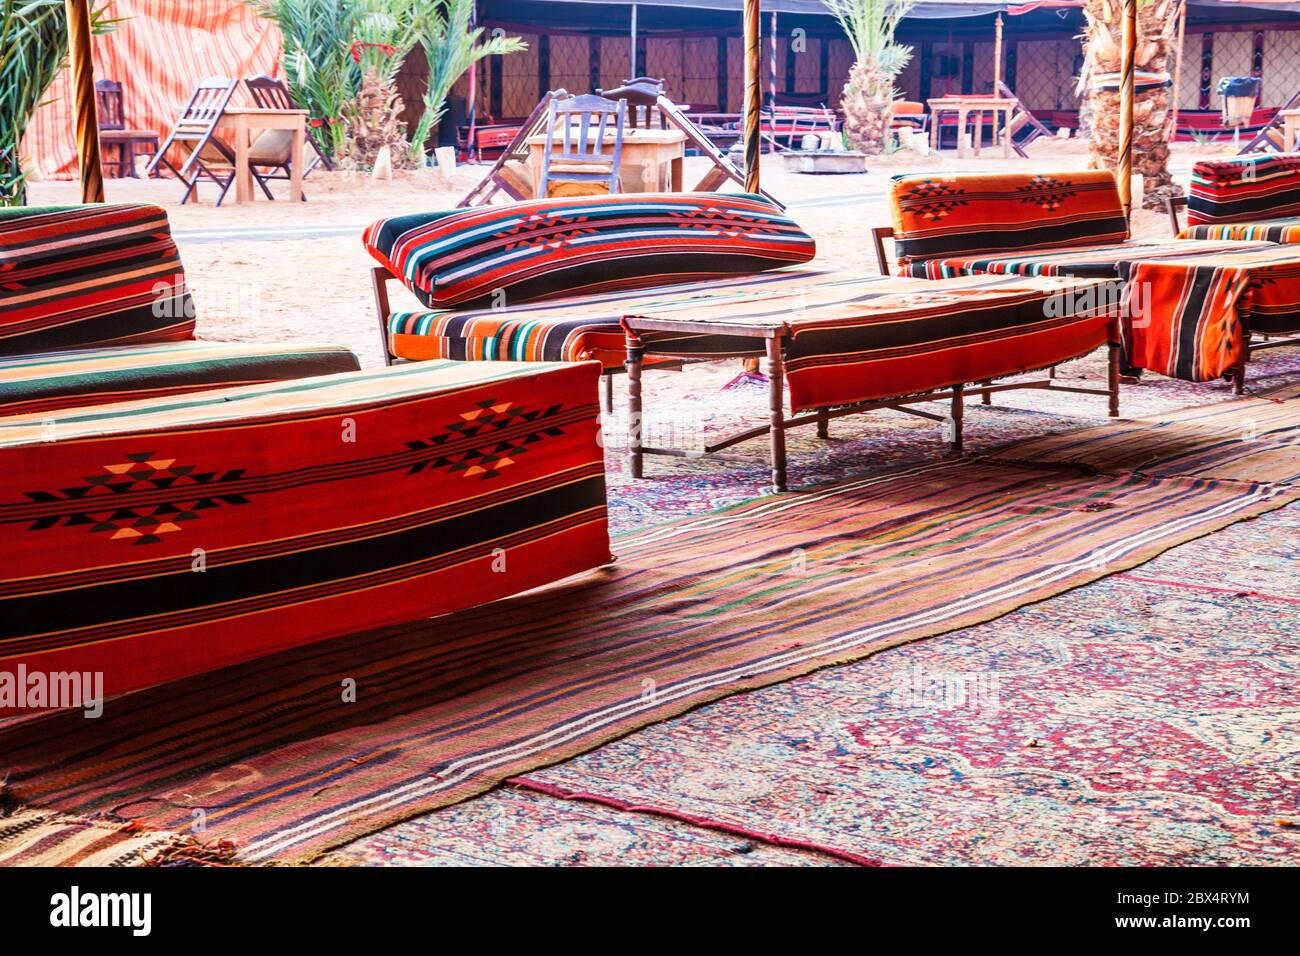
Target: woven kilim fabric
{"x":55,"y":380}
{"x":854,"y":337}
{"x":1188,"y":317}
{"x":967,"y":215}
{"x":1244,"y":189}
{"x":502,"y":255}
{"x":77,"y":276}
{"x":152,"y":540}
{"x":694,"y":610}
{"x":1091,"y":262}
{"x":1285,"y":231}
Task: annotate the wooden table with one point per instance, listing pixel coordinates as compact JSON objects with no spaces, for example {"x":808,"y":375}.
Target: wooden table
{"x":964,"y":107}
{"x":244,"y":121}
{"x":651,"y":160}
{"x":1290,"y":126}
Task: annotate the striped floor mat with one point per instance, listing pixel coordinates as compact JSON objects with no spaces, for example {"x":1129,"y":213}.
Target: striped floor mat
{"x":289,"y":756}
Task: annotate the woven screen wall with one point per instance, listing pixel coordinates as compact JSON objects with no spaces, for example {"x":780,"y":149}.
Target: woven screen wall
{"x":838,"y":66}
{"x":1281,"y":66}
{"x":1045,"y":71}
{"x":519,"y":86}
{"x":570,"y":63}
{"x":699,"y":72}
{"x":615,"y":61}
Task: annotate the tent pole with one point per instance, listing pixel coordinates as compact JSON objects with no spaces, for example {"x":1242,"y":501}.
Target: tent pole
{"x":83,"y":95}
{"x":1178,"y":71}
{"x":997,"y":58}
{"x":1126,"y":92}
{"x":633,"y":56}
{"x":771,"y":78}
{"x":753,"y":94}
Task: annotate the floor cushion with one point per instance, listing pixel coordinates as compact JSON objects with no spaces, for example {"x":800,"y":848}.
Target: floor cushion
{"x":1250,"y":189}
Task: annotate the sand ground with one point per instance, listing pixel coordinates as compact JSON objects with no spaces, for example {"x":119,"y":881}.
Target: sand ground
{"x":281,"y":271}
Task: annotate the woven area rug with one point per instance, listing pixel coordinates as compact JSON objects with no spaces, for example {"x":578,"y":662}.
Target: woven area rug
{"x":270,"y":756}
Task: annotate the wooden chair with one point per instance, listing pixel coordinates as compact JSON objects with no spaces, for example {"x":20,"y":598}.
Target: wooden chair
{"x":271,"y":94}
{"x":642,"y":94}
{"x":1271,"y":138}
{"x":580,"y":157}
{"x":113,"y":130}
{"x":206,"y":157}
{"x":1021,"y":118}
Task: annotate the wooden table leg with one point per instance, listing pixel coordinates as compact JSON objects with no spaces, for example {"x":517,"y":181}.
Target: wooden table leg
{"x":958,"y":412}
{"x":962,"y":151}
{"x":936,"y":120}
{"x":635,"y":356}
{"x":243,"y":175}
{"x":295,"y":171}
{"x":776,"y":410}
{"x":977,"y":134}
{"x":1112,"y":375}
{"x":677,"y":172}
{"x":1006,"y":132}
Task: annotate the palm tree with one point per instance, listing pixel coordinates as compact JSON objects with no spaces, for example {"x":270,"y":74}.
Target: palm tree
{"x":1157,"y":26}
{"x":33,"y":47}
{"x":451,"y":45}
{"x":869,"y":94}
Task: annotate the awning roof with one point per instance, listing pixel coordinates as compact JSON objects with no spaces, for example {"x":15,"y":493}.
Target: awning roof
{"x":949,"y":9}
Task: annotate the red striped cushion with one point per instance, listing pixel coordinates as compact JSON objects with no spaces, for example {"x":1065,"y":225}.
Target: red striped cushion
{"x":1244,"y":189}
{"x":498,"y":255}
{"x":77,"y":276}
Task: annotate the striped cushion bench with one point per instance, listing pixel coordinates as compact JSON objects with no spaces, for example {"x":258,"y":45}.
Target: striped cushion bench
{"x":962,"y":216}
{"x":1087,"y":262}
{"x":1283,"y":231}
{"x":152,"y":540}
{"x":78,"y":276}
{"x":1244,"y":189}
{"x":492,"y":256}
{"x":59,"y":380}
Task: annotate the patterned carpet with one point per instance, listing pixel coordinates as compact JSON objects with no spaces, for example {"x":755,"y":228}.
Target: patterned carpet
{"x":1066,"y":732}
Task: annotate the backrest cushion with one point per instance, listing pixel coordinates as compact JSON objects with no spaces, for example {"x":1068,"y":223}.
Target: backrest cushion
{"x":79,"y":276}
{"x":955,"y":215}
{"x":1244,"y":189}
{"x":541,"y":249}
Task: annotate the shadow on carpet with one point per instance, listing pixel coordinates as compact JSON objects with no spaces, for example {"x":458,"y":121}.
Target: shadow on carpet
{"x":274,"y":757}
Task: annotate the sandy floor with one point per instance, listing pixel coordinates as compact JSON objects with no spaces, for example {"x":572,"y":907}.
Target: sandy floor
{"x":280,"y":271}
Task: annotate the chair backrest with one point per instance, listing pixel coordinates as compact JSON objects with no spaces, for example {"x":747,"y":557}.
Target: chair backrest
{"x":269,"y":93}
{"x":642,"y":95}
{"x":206,"y":104}
{"x":938,"y":216}
{"x":1253,"y":188}
{"x":108,"y":96}
{"x":580,"y":124}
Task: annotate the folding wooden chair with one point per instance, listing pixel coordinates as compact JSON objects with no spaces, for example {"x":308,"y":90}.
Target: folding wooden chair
{"x":195,"y":136}
{"x":1271,"y":137}
{"x":271,"y":94}
{"x":1021,"y":118}
{"x":113,"y":130}
{"x":581,"y":156}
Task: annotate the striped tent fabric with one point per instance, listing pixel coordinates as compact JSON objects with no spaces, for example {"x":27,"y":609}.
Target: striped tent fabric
{"x":982,"y":214}
{"x":1243,"y":189}
{"x":1087,"y":262}
{"x":546,"y":248}
{"x":1188,"y":318}
{"x":853,"y":337}
{"x":59,"y":380}
{"x":158,"y":52}
{"x":152,"y":540}
{"x":90,"y":275}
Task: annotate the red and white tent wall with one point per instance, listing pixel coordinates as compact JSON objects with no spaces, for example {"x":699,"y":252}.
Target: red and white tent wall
{"x":158,"y":53}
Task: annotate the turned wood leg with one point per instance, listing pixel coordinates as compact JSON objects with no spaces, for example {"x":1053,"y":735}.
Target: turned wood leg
{"x":1112,"y":376}
{"x":607,"y":394}
{"x":958,"y":410}
{"x":986,"y":398}
{"x":823,"y":423}
{"x":635,"y":355}
{"x":776,"y":411}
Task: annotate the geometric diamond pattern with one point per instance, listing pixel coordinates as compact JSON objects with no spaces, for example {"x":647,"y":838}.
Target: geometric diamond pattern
{"x":107,"y":509}
{"x":470,"y":446}
{"x":1046,"y":193}
{"x":937,"y":199}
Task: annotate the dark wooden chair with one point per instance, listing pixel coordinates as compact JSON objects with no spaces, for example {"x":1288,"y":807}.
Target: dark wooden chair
{"x":579,"y":155}
{"x":272,"y":94}
{"x":642,"y":95}
{"x":113,"y":131}
{"x":206,"y":157}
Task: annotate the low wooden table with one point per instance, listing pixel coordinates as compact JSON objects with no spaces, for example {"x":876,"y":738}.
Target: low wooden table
{"x":1290,"y":127}
{"x":966,"y":106}
{"x":651,"y":161}
{"x":244,"y":121}
{"x":867,"y":325}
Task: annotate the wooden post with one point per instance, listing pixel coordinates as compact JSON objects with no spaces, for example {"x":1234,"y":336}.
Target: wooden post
{"x":997,"y":59}
{"x":1178,"y":71}
{"x":753,"y":61}
{"x":1126,"y":93}
{"x":632,"y":57}
{"x":83,"y":100}
{"x":771,"y":72}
